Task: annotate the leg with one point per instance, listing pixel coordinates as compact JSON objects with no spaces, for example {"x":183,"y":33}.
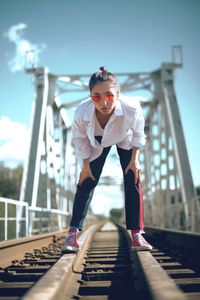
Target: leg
{"x":85,"y":192}
{"x":133,"y":194}
{"x":133,"y":204}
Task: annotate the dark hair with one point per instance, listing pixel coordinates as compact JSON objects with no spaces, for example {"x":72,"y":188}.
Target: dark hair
{"x":101,"y":76}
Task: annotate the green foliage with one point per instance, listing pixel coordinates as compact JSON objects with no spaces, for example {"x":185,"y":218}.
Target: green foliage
{"x":116,"y":214}
{"x":10,"y":181}
{"x":198,"y":190}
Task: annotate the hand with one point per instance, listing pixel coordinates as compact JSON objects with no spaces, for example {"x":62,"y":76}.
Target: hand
{"x":84,"y":174}
{"x":135,"y":167}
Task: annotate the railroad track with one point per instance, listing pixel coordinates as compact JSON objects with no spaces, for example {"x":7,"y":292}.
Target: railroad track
{"x":178,"y":253}
{"x":24,"y":261}
{"x":105,"y":268}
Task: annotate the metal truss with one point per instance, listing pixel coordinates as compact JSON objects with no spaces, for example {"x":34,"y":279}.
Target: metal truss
{"x":168,"y":184}
{"x":50,"y":171}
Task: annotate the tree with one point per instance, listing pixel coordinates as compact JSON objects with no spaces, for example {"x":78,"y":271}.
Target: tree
{"x":10,"y":181}
{"x":116,"y":214}
{"x":198,"y":190}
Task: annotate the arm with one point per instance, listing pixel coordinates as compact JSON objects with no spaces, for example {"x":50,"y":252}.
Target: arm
{"x":85,"y":172}
{"x":82,"y":146}
{"x":134,"y":164}
{"x":138,"y":140}
{"x":80,"y":139}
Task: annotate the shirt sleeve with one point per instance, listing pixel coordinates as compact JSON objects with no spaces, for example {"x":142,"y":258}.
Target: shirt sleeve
{"x":80,"y":139}
{"x":137,"y":127}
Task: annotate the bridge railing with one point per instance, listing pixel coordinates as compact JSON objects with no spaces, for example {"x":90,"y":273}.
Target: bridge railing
{"x":172,"y":215}
{"x":169,"y":216}
{"x":17,"y":219}
{"x":196,"y":213}
{"x":43,"y":220}
{"x":13,"y":219}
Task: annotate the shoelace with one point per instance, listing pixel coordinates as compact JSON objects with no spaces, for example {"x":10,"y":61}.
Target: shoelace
{"x":140,"y":238}
{"x":71,"y":238}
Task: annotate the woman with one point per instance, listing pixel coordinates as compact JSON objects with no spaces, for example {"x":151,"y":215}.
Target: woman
{"x":100,"y":122}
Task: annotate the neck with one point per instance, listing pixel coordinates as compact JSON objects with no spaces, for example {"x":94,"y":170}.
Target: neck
{"x":102,"y":116}
{"x":103,"y":119}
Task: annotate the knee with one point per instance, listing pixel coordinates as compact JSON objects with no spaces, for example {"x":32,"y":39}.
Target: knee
{"x":87,"y":185}
{"x":129,"y":176}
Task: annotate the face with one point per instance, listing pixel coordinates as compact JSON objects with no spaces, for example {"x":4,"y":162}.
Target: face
{"x":104,"y":96}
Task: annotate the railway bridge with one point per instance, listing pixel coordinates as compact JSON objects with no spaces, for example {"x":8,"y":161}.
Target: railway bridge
{"x":106,"y":265}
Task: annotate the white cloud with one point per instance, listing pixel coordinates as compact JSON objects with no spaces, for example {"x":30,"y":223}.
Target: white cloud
{"x":23,"y":47}
{"x":14,"y":141}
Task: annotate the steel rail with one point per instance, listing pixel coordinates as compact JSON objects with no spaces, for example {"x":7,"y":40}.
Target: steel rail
{"x":54,"y":283}
{"x":16,"y":249}
{"x":177,"y":252}
{"x":106,"y":268}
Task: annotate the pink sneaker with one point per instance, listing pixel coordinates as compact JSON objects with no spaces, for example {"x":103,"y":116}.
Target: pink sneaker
{"x":138,"y":242}
{"x":70,"y":243}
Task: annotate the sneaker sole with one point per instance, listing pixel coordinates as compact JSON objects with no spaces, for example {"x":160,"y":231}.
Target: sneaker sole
{"x":142,"y":248}
{"x":69,"y":249}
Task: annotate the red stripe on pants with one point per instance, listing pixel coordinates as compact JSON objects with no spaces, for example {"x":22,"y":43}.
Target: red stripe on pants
{"x":141,"y":205}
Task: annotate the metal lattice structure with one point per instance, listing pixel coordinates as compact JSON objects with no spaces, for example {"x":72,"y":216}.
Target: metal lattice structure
{"x":168,"y":180}
{"x":51,"y":171}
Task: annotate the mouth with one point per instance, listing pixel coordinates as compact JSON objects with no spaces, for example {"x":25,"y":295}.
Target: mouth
{"x":105,"y":108}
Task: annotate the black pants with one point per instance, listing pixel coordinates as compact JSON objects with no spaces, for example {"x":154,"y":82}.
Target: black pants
{"x":133,"y":192}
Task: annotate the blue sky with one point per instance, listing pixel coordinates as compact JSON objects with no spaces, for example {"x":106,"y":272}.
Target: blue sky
{"x":79,"y":36}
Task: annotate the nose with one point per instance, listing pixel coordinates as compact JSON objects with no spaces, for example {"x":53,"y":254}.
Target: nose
{"x":104,"y":101}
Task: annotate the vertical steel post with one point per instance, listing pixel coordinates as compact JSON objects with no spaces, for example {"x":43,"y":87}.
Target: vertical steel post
{"x":182,"y":160}
{"x":30,"y":189}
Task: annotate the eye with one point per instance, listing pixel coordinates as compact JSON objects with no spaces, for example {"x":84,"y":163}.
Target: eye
{"x":96,"y":98}
{"x":109,"y":97}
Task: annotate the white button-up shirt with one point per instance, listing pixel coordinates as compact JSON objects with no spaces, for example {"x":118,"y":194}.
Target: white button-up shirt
{"x":125,"y":128}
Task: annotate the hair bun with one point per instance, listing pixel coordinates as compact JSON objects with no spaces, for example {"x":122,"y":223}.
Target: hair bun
{"x":103,"y":75}
{"x":103,"y":69}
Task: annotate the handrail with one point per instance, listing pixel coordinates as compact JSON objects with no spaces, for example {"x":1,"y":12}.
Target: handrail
{"x":19,"y":215}
{"x":18,"y":219}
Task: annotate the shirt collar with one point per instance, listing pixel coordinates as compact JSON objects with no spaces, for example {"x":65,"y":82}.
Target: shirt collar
{"x":118,"y":109}
{"x":89,"y":112}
